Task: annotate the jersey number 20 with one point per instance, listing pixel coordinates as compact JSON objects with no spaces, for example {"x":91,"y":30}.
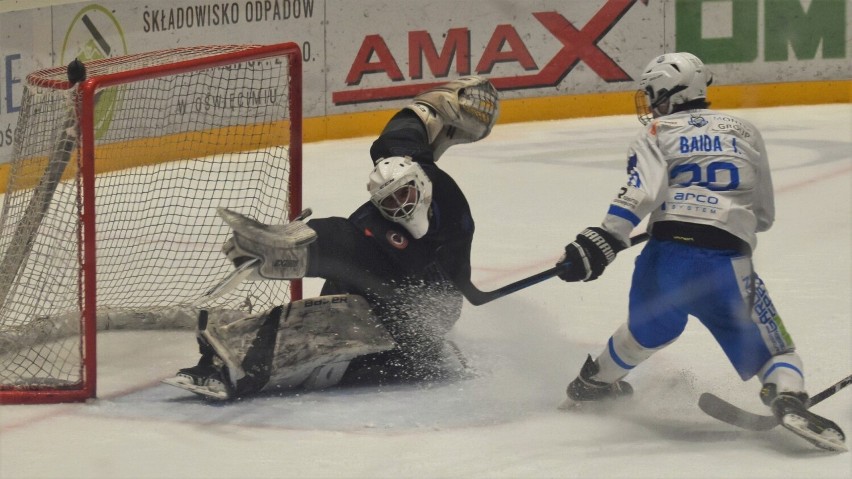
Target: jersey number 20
{"x":709,"y":178}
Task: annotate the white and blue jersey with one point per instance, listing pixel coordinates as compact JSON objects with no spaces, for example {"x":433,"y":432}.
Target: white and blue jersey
{"x":704,"y":179}
{"x":696,"y":166}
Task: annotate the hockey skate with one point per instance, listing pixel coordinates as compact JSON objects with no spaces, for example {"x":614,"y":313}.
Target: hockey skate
{"x":585,"y":389}
{"x":204,"y":379}
{"x":210,"y":377}
{"x":791,"y":411}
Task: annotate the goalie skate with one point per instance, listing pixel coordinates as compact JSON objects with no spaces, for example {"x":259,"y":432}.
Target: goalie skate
{"x":208,"y":378}
{"x":210,"y":386}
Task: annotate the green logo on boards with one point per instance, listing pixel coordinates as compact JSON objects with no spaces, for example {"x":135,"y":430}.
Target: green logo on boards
{"x":94,"y":34}
{"x":729,"y":32}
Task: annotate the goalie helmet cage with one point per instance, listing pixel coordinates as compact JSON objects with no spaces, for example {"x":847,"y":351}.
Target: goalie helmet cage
{"x":113,"y":225}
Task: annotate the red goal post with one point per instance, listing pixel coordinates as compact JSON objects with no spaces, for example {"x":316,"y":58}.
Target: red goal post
{"x":109,"y":215}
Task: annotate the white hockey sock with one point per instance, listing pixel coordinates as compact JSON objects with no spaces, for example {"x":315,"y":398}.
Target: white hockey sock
{"x":785,"y":371}
{"x":621,"y":354}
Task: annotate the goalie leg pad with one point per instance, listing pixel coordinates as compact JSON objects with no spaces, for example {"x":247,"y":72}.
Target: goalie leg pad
{"x":461,"y":111}
{"x":326,"y":375}
{"x":306,"y":344}
{"x":282,"y":249}
{"x":319,"y":336}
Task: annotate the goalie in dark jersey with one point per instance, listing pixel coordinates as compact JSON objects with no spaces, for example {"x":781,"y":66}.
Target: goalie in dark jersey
{"x":396,"y":269}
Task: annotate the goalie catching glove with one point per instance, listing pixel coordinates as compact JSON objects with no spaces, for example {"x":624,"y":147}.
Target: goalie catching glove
{"x":587,"y":257}
{"x":282,"y":249}
{"x":461,"y":111}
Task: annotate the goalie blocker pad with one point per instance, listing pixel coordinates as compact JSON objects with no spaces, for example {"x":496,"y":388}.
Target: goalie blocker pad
{"x":306,"y":344}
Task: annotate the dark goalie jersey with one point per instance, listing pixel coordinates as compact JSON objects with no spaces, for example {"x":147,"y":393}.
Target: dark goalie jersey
{"x":414,"y":286}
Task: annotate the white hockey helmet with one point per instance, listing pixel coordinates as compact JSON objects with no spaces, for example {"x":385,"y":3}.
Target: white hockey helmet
{"x":402,"y":192}
{"x":670,"y":80}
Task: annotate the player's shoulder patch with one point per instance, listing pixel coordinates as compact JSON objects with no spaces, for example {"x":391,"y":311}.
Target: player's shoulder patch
{"x":397,"y":239}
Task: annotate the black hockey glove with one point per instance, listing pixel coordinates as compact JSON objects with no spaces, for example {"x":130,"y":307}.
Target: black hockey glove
{"x":585,"y":258}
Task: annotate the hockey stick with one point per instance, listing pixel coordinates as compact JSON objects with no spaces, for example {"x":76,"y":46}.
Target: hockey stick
{"x":227,"y":284}
{"x":25,"y":232}
{"x":724,"y":411}
{"x":478,"y":298}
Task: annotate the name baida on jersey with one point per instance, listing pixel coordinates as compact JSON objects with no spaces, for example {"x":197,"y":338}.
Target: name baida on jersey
{"x":700,"y":143}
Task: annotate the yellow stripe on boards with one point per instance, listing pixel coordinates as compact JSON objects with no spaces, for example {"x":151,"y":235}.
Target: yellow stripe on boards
{"x":228,"y":140}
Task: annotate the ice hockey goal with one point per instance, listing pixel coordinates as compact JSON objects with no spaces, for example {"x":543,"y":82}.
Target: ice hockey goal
{"x":109,"y":215}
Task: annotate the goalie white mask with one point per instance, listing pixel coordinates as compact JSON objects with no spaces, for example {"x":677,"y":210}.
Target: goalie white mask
{"x":402,"y":192}
{"x":670,"y":80}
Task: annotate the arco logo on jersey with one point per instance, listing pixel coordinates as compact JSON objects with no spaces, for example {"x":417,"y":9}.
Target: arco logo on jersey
{"x":696,"y":198}
{"x":505,"y":45}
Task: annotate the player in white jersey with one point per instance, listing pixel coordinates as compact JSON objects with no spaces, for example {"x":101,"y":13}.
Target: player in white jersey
{"x":704,"y":179}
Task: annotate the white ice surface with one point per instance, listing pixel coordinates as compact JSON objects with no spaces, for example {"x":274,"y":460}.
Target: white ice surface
{"x":531,"y":187}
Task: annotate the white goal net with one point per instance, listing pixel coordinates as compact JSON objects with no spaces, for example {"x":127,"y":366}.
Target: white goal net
{"x":109,"y":214}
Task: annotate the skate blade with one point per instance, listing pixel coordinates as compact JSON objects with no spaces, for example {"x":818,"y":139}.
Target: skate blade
{"x":830,"y":439}
{"x":569,"y":404}
{"x":205,"y":391}
{"x":596,"y":404}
